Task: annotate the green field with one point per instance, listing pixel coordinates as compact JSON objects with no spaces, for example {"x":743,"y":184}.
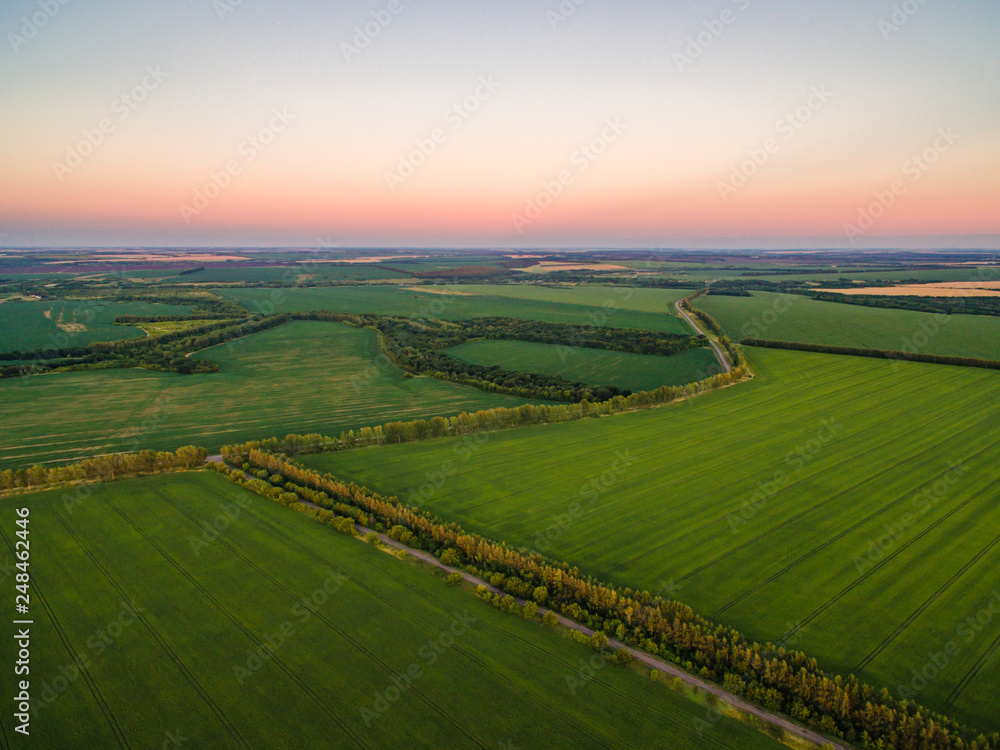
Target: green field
{"x":303,"y":377}
{"x":592,"y":295}
{"x":34,"y":325}
{"x":288,"y":274}
{"x":635,"y":372}
{"x":794,"y":318}
{"x":749,"y":506}
{"x":388,"y":300}
{"x":162,"y":625}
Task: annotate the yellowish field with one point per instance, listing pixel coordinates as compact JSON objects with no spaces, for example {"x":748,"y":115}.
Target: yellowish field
{"x":944,"y":289}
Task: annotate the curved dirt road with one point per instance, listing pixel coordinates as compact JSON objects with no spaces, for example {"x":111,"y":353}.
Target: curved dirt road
{"x":723,"y":360}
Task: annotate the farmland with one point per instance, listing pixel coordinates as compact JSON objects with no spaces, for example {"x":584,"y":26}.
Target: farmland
{"x":60,"y":323}
{"x":303,"y":377}
{"x":293,"y":273}
{"x":133,"y":588}
{"x":635,"y":372}
{"x":795,"y":318}
{"x":642,"y":300}
{"x":783,"y":507}
{"x":388,"y":300}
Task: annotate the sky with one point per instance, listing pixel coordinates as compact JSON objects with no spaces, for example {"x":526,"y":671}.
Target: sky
{"x":522,"y":123}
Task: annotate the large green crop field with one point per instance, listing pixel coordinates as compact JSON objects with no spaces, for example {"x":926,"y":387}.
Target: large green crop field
{"x":389,"y":300}
{"x":61,"y":323}
{"x":635,"y":372}
{"x":303,"y":377}
{"x":787,"y":507}
{"x":170,"y":634}
{"x":794,"y":318}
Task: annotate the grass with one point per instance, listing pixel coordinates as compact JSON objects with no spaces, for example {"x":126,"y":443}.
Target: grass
{"x":500,"y":683}
{"x":794,"y":318}
{"x":60,"y":323}
{"x":173,"y":326}
{"x":303,"y":377}
{"x":388,"y":300}
{"x":635,"y":372}
{"x":748,"y":506}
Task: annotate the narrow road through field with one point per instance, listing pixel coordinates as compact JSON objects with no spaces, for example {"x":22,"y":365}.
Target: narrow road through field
{"x":723,"y":360}
{"x":641,"y":656}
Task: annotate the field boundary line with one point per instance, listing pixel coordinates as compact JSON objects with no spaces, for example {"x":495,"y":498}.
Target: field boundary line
{"x":402,"y":611}
{"x":717,"y":519}
{"x":878,"y":474}
{"x":303,"y":685}
{"x":885,"y":561}
{"x":857,"y":525}
{"x":973,"y":672}
{"x":64,"y":639}
{"x":897,"y":356}
{"x":923,"y":607}
{"x":330,"y":625}
{"x":171,"y":654}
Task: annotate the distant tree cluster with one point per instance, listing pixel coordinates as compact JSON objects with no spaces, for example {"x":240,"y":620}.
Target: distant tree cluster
{"x":935,"y":359}
{"x":487,"y":420}
{"x":941,"y":305}
{"x":166,"y":353}
{"x":418,"y":346}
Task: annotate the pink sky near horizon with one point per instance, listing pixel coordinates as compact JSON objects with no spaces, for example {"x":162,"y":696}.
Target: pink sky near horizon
{"x":682,"y":132}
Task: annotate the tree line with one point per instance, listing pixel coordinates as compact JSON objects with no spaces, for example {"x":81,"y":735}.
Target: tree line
{"x":167,"y":352}
{"x":106,"y":468}
{"x":781,"y":679}
{"x":486,"y":420}
{"x":941,"y":305}
{"x":935,"y":359}
{"x":418,"y":347}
